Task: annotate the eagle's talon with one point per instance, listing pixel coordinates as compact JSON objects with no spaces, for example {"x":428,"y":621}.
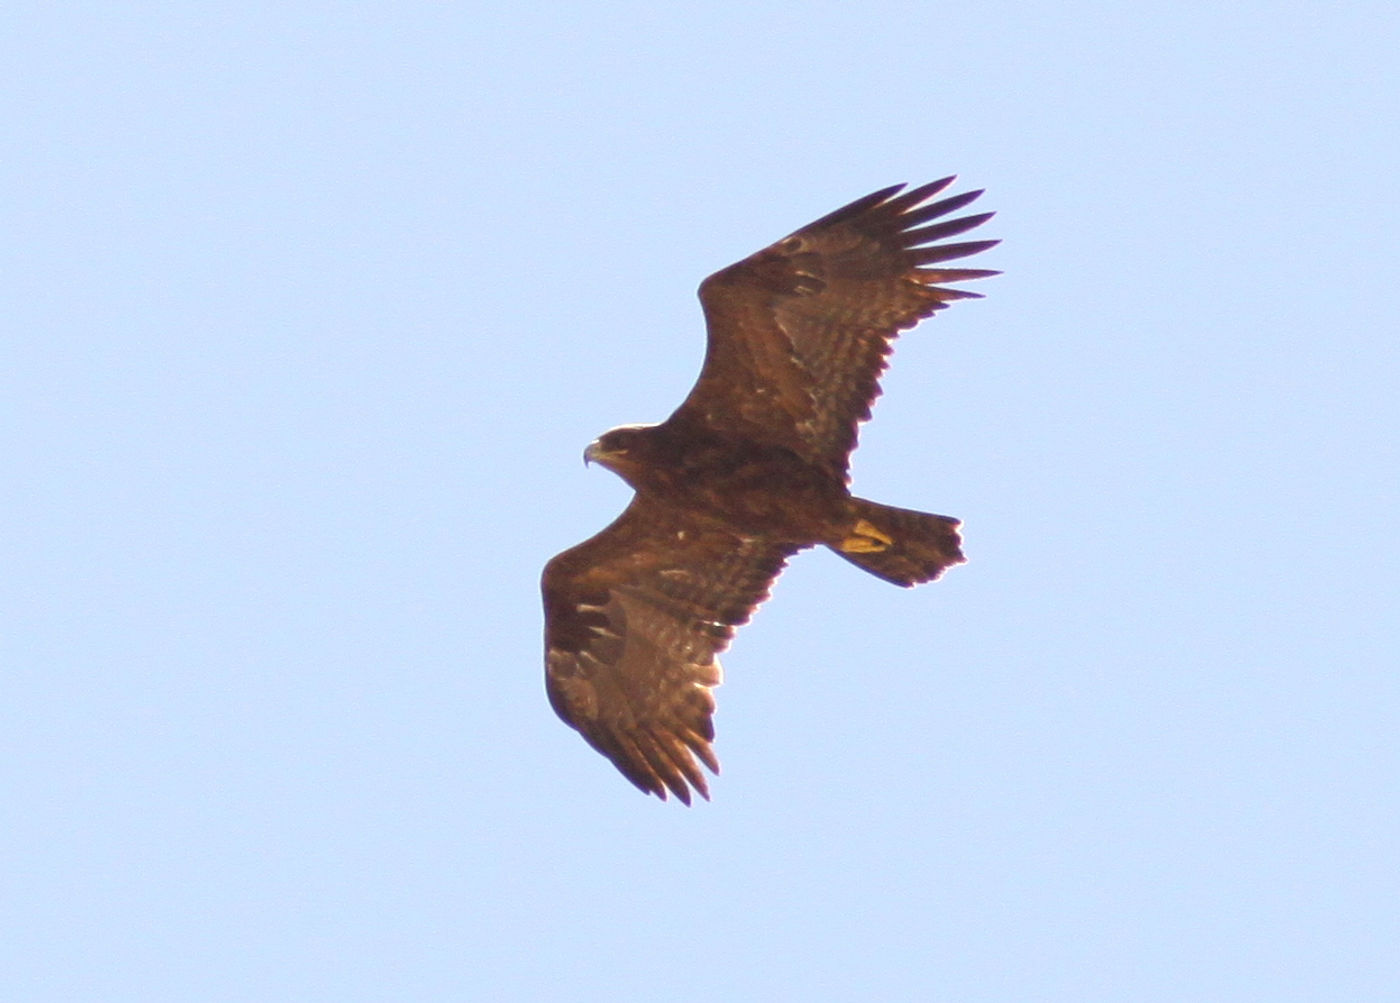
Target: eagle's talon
{"x":866,"y":539}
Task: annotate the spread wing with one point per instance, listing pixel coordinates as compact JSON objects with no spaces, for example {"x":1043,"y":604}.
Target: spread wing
{"x":799,"y":332}
{"x":634,"y":620}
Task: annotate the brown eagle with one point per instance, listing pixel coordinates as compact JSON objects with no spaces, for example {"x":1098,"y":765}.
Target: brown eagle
{"x":751,"y":468}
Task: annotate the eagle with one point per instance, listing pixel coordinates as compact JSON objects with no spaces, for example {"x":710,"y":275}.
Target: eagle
{"x":750,"y":469}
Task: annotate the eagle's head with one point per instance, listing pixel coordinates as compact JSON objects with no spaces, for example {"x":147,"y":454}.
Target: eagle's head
{"x":621,"y":450}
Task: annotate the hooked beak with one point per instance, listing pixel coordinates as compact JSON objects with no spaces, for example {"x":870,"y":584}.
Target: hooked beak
{"x":591,"y":453}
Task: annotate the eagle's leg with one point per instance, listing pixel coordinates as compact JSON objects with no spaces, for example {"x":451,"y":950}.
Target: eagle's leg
{"x":865,"y":538}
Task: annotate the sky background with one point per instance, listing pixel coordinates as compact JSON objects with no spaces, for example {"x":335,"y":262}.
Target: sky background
{"x":309,"y":310}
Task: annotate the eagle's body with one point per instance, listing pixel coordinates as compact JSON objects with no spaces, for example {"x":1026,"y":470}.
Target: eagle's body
{"x":749,"y":470}
{"x":756,"y":488}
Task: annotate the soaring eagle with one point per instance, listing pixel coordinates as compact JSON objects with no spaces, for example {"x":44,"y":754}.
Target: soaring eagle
{"x":751,"y":468}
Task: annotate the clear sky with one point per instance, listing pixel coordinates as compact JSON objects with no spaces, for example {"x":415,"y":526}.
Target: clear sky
{"x":309,"y":310}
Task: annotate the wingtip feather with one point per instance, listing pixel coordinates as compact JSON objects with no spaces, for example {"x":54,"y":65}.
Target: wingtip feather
{"x":921,"y":214}
{"x":950,"y":228}
{"x":948,"y":252}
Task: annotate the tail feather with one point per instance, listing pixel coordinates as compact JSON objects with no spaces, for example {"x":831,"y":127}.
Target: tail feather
{"x":922,"y":546}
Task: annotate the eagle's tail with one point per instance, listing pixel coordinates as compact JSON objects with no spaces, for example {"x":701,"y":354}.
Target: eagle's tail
{"x":899,"y":545}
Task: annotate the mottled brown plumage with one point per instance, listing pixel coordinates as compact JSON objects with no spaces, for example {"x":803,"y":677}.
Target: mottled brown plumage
{"x":751,"y":468}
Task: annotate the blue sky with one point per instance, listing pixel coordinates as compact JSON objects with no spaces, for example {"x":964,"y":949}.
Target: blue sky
{"x":310,"y":310}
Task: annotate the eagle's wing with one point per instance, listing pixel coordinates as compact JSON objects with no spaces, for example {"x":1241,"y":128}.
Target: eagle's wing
{"x":799,"y":332}
{"x":634,"y":619}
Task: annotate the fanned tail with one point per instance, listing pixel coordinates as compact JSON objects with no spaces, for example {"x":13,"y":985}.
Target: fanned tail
{"x":905,"y":547}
